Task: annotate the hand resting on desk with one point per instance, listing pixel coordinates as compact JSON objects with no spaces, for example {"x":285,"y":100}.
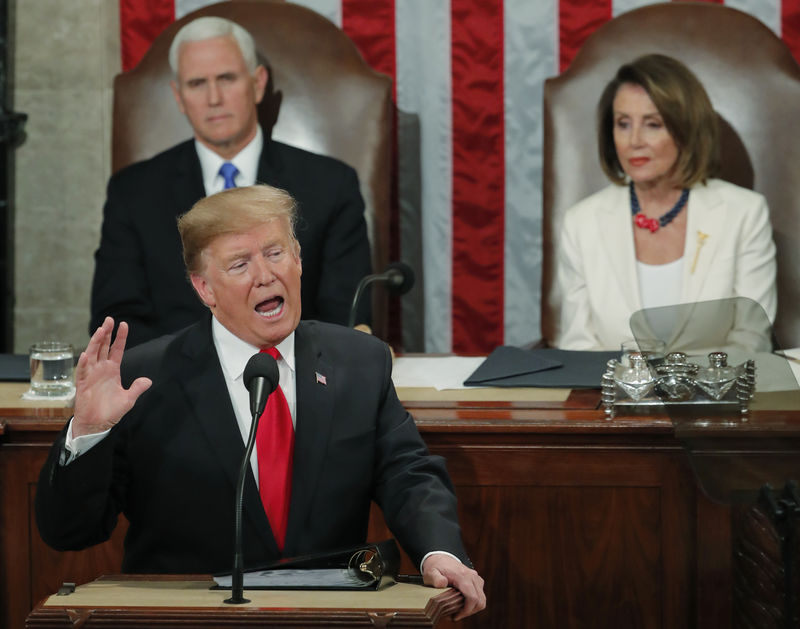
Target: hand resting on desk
{"x":440,"y":570}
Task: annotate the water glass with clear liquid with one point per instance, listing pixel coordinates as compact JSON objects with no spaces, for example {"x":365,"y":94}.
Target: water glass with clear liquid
{"x":52,"y":366}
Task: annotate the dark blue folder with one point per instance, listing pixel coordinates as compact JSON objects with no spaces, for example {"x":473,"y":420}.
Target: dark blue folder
{"x":510,"y":366}
{"x":14,"y":368}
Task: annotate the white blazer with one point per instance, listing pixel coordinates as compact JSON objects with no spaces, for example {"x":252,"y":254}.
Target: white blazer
{"x":729,"y":252}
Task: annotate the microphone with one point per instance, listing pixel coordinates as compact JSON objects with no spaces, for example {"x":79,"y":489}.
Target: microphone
{"x":260,"y":379}
{"x":398,"y":278}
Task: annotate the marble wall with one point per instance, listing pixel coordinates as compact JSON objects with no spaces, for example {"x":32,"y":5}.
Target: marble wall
{"x":65,"y":56}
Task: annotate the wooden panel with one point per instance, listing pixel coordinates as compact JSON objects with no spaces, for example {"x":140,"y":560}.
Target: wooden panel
{"x":30,"y":570}
{"x":714,"y":588}
{"x":573,"y":557}
{"x":49,"y":568}
{"x":576,"y":537}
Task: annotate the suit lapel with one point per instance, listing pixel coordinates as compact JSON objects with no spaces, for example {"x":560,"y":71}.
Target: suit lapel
{"x":315,"y":404}
{"x":703,"y":229}
{"x":205,"y":388}
{"x":615,"y":218}
{"x":188,"y":187}
{"x":270,"y":166}
{"x":703,"y":226}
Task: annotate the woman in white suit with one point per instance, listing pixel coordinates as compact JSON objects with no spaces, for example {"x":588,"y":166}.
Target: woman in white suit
{"x":665,"y":231}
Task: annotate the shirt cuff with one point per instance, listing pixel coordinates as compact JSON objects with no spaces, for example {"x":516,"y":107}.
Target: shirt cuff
{"x":75,"y":446}
{"x":437,"y":552}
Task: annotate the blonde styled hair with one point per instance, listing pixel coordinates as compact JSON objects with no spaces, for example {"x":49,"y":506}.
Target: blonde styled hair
{"x":233,"y":211}
{"x":685,"y":109}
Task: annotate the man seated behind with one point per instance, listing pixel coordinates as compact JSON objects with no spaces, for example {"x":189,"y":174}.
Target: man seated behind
{"x":166,"y":451}
{"x":218,"y":83}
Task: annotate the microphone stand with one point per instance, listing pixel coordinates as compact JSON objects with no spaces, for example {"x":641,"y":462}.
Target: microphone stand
{"x":399,"y":279}
{"x":237,"y":577}
{"x":365,"y":281}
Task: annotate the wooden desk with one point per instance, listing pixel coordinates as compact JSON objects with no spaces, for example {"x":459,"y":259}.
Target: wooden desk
{"x":573,"y":520}
{"x":143,"y":602}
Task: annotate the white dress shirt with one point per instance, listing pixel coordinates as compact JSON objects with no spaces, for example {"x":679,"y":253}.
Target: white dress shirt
{"x":246,"y":161}
{"x":233,"y":355}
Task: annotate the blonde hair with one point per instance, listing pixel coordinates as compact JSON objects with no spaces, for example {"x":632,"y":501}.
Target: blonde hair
{"x":685,"y":108}
{"x":233,"y":211}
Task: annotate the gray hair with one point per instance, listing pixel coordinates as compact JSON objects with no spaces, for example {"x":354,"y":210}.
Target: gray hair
{"x":208,"y":28}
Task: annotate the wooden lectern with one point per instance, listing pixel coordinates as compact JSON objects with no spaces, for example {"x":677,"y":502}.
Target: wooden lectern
{"x":187,"y":601}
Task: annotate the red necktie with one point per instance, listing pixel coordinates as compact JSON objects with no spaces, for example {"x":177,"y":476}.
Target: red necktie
{"x":275,"y":446}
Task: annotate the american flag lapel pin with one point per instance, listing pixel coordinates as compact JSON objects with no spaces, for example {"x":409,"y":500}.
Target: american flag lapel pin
{"x":320,"y":378}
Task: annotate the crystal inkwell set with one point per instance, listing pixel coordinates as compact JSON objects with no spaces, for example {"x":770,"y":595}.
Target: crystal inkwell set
{"x":696,"y":360}
{"x":641,"y":380}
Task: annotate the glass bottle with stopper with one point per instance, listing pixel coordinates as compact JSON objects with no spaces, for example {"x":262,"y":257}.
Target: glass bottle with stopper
{"x":676,"y":377}
{"x":718,"y":378}
{"x":634,"y":378}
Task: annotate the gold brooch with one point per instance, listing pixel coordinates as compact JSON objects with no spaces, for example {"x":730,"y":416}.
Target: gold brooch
{"x":701,"y":240}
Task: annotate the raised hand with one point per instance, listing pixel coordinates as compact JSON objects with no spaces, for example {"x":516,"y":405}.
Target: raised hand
{"x":100,"y":399}
{"x":440,"y":570}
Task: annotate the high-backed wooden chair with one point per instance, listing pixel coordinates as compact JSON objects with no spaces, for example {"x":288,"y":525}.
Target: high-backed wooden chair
{"x":754,"y":85}
{"x":322,"y":96}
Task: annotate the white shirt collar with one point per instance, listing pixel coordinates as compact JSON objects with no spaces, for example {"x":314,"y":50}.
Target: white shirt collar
{"x":246,"y":161}
{"x":234,"y":353}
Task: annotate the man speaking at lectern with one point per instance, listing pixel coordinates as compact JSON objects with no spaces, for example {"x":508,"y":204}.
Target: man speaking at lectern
{"x":166,"y":451}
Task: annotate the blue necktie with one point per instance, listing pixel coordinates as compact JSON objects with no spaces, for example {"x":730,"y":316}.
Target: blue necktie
{"x":228,"y":172}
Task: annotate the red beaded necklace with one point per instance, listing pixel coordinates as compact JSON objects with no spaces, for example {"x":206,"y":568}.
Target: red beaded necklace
{"x":653,"y":224}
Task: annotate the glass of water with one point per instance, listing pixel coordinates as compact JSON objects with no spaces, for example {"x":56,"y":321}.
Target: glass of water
{"x":52,"y":366}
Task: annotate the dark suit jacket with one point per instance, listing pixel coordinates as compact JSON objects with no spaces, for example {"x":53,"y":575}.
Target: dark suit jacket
{"x":172,"y":463}
{"x":139,"y":272}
